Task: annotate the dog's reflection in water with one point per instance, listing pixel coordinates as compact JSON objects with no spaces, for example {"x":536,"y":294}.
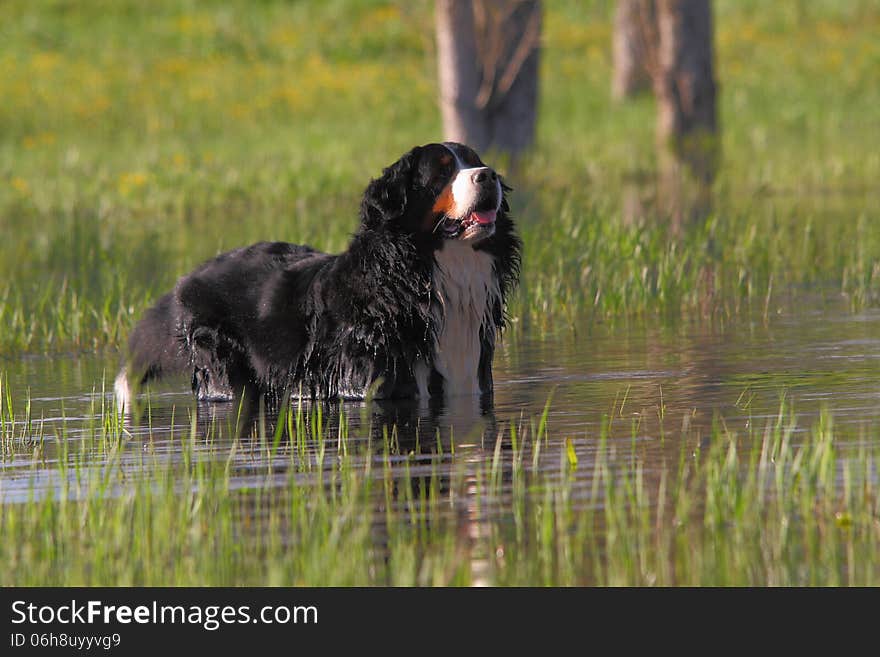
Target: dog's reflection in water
{"x":404,"y":425}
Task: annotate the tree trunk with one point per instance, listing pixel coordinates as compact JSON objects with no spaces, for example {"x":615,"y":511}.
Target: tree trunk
{"x":487,"y":56}
{"x":684,"y":82}
{"x":634,"y":29}
{"x":671,"y":40}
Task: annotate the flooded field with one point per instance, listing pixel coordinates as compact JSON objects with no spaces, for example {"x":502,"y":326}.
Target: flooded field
{"x":689,"y":393}
{"x":641,"y":446}
{"x":652,"y":392}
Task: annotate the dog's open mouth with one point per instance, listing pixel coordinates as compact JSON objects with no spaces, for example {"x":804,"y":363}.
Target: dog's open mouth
{"x":478,"y":224}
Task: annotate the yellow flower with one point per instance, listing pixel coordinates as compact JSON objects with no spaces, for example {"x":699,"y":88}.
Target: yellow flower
{"x":380,"y":15}
{"x":39,"y":139}
{"x":45,"y":61}
{"x":285,"y":35}
{"x":834,"y":59}
{"x":202,"y":93}
{"x":194,"y":24}
{"x":93,"y":107}
{"x":128,"y":182}
{"x":21,"y":185}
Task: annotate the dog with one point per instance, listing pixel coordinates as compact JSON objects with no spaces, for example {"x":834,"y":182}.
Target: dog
{"x":411,"y":309}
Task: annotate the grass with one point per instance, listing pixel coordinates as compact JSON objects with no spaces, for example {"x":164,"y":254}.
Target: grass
{"x":139,"y":140}
{"x":780,"y":505}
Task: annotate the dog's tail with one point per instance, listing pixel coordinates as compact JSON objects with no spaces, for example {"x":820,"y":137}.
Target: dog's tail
{"x":122,"y":391}
{"x":155,"y":349}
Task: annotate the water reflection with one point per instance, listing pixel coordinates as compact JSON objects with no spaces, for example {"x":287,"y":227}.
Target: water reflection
{"x":652,"y":390}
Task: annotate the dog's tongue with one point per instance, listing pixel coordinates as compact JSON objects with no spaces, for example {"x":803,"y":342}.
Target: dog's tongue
{"x":484,"y":217}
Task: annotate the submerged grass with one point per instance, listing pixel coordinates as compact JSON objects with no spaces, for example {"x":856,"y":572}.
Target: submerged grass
{"x":780,"y":505}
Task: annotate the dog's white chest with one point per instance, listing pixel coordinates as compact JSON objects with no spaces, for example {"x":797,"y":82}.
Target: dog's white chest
{"x":466,"y":288}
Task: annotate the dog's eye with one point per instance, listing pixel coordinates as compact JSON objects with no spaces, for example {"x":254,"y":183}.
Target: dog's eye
{"x":443,"y":172}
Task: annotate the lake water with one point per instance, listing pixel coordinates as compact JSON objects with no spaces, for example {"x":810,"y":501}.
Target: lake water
{"x":657,"y":389}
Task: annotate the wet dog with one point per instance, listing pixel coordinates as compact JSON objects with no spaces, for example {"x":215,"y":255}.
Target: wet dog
{"x":410,"y":309}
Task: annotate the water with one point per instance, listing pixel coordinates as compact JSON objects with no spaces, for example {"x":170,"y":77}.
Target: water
{"x":657,"y":389}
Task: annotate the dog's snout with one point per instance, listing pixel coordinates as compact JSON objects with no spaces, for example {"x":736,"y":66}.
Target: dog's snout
{"x":484,"y":175}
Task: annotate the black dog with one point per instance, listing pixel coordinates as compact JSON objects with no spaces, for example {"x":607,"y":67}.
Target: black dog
{"x":411,"y":309}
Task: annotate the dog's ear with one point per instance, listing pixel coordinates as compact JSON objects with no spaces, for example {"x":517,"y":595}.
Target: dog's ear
{"x":385,"y":198}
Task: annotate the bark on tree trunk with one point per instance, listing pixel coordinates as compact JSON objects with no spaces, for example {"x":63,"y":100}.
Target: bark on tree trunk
{"x":487,"y":56}
{"x":677,"y":52}
{"x":684,"y":81}
{"x":634,"y":25}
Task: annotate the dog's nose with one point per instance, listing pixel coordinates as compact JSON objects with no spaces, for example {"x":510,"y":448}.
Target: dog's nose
{"x":483,"y":175}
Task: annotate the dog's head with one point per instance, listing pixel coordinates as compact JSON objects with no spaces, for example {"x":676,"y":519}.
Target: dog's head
{"x":437,"y":192}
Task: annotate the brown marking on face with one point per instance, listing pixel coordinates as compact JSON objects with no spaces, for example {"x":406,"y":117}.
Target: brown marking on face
{"x":445,"y":202}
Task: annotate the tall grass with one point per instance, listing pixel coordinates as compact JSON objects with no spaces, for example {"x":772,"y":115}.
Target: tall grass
{"x":783,"y":504}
